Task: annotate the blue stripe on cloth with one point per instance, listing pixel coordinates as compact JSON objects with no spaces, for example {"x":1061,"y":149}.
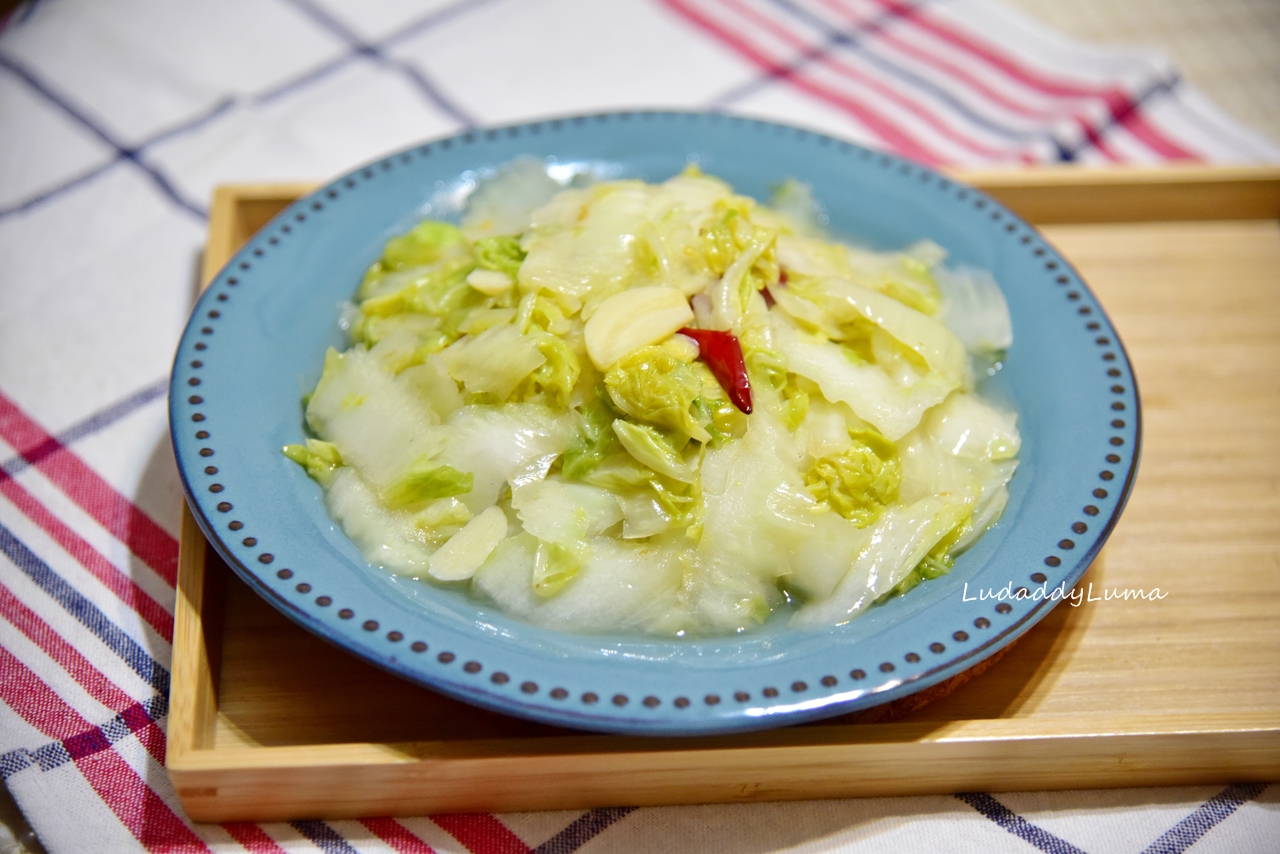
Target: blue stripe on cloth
{"x":178,"y":130}
{"x":1068,"y":152}
{"x":113,"y":413}
{"x":86,"y":743}
{"x":132,"y":155}
{"x":17,"y":14}
{"x":15,"y":761}
{"x":411,"y":29}
{"x":49,"y":195}
{"x":433,"y":19}
{"x":582,"y":830}
{"x":136,"y":717}
{"x":50,"y":756}
{"x":55,"y":754}
{"x":854,"y":42}
{"x":1017,"y":825}
{"x":430,"y":91}
{"x":188,"y":125}
{"x":306,"y":79}
{"x":323,"y":837}
{"x":1184,"y":834}
{"x":374,"y":52}
{"x":88,"y":614}
{"x":1065,"y":150}
{"x":26,"y":10}
{"x":809,"y":57}
{"x":330,"y":23}
{"x":99,"y":420}
{"x":1065,"y":153}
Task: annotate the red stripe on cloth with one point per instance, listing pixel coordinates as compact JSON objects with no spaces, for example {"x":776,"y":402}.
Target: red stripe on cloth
{"x":35,"y":703}
{"x":253,"y":838}
{"x":1095,"y":139}
{"x":893,"y":136}
{"x":91,"y":559}
{"x":1070,"y":103}
{"x":134,"y":802}
{"x":398,"y":836}
{"x":953,"y":70}
{"x":83,"y":672}
{"x":68,"y":657}
{"x":1121,"y":106}
{"x":138,"y":806}
{"x":482,"y":833}
{"x":85,"y":487}
{"x":867,"y":81}
{"x":1130,"y":115}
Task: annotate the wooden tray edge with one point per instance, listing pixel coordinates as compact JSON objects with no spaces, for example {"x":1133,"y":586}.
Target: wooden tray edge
{"x":338,"y":783}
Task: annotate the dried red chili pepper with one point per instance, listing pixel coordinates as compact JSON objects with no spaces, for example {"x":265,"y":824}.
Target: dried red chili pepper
{"x":723,"y":355}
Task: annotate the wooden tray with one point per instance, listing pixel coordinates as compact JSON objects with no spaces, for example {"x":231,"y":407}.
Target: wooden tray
{"x":269,"y":723}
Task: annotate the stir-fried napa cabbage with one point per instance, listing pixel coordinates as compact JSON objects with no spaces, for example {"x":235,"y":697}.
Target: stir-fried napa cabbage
{"x":521,"y":414}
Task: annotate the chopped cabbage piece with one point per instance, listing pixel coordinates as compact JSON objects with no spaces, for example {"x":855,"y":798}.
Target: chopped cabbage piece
{"x":495,"y":361}
{"x":501,"y":204}
{"x":973,"y":429}
{"x":554,"y":566}
{"x":426,"y":243}
{"x":386,"y":538}
{"x":860,"y":481}
{"x":499,"y":254}
{"x":424,"y":482}
{"x":795,"y":201}
{"x":652,"y":385}
{"x":651,"y":448}
{"x":559,"y":372}
{"x":556,"y":511}
{"x":894,"y":409}
{"x":582,"y":243}
{"x":899,"y":541}
{"x":625,"y":587}
{"x":593,"y":441}
{"x":974,"y":309}
{"x":387,"y":428}
{"x":441,"y":519}
{"x":843,"y":302}
{"x":320,"y":459}
{"x":504,"y":447}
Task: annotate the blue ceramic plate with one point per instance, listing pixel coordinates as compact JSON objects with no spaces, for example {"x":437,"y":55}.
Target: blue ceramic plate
{"x":257,"y":339}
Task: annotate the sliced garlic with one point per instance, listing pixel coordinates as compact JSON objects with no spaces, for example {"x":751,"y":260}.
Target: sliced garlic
{"x":462,"y":555}
{"x":489,"y":282}
{"x":634,"y":318}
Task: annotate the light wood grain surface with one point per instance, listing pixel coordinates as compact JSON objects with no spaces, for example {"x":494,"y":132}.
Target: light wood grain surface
{"x":270,"y":723}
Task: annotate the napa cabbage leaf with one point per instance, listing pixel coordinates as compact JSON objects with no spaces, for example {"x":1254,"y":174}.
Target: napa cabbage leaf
{"x":654,"y":386}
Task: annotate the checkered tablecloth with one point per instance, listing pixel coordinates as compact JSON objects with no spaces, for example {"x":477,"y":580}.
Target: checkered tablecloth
{"x":118,"y":117}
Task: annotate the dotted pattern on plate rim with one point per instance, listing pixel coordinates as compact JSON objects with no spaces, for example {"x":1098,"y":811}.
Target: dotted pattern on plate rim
{"x":224,"y":288}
